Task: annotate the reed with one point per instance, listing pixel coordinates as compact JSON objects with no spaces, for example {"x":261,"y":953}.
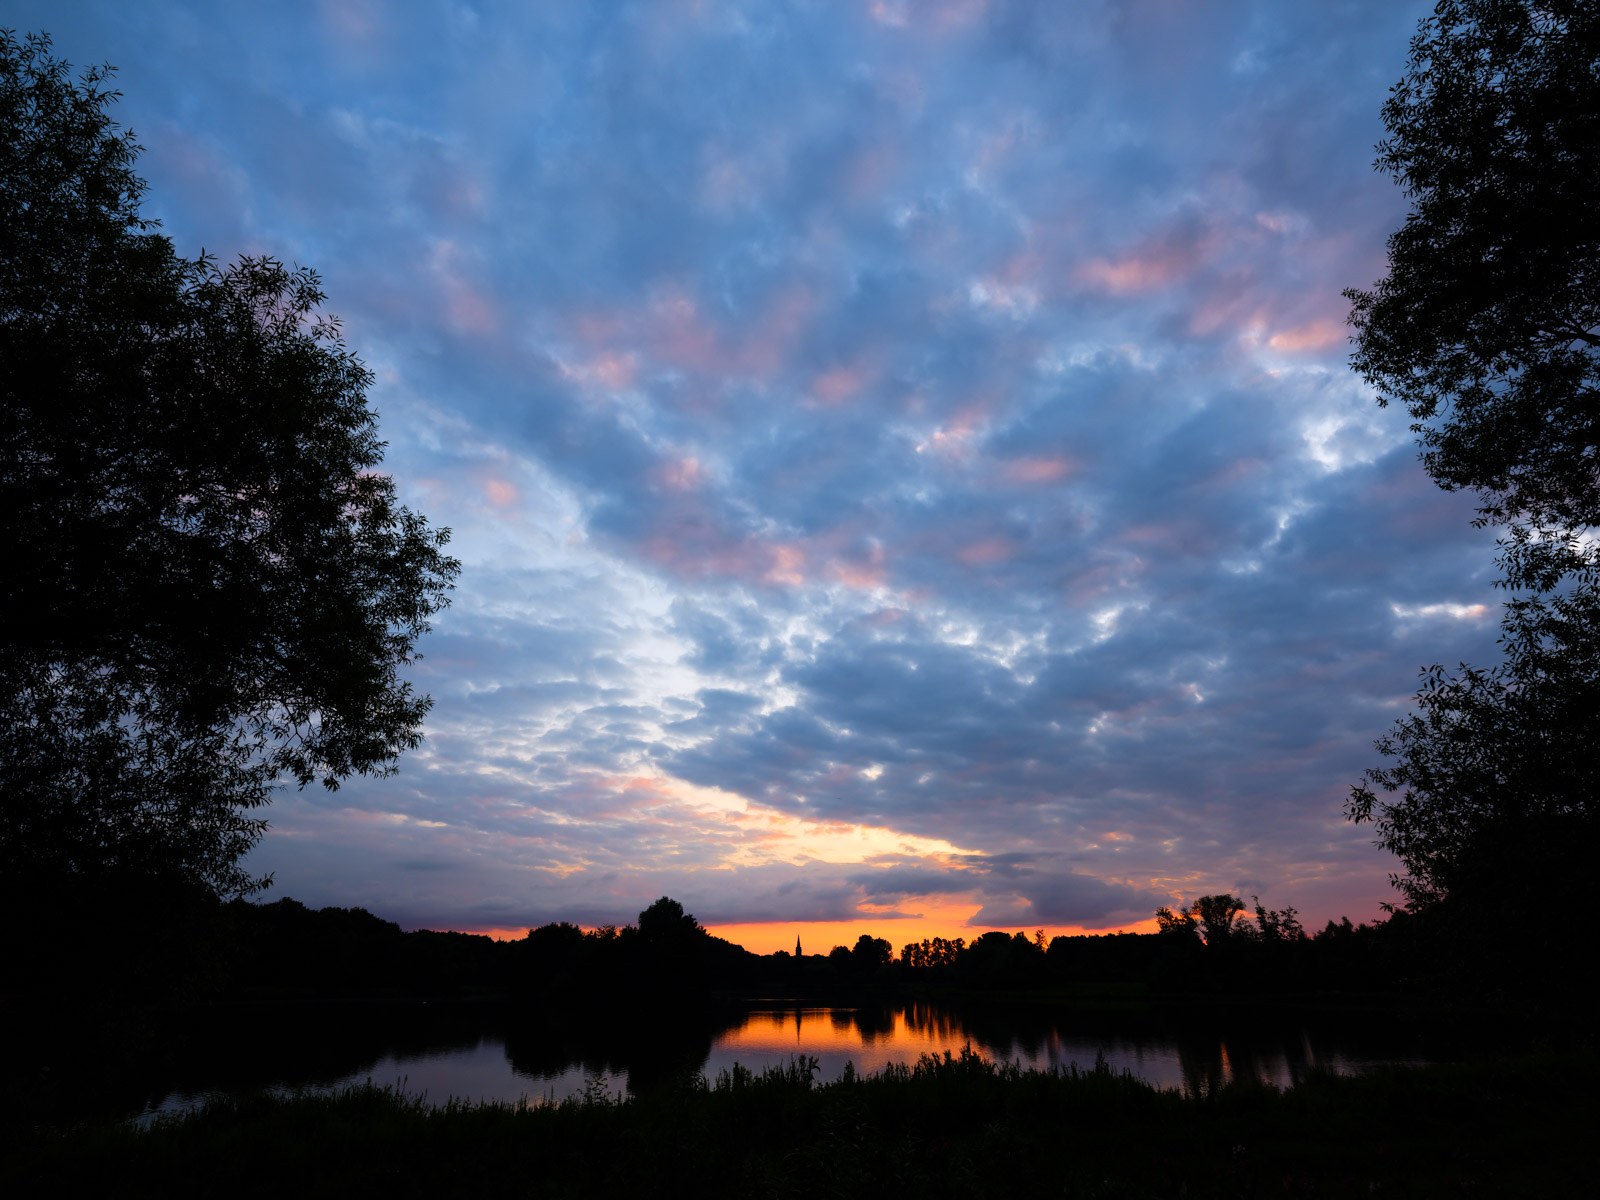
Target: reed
{"x":957,"y":1125}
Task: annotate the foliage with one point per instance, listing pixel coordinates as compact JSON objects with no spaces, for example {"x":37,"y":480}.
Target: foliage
{"x":211,"y":584}
{"x":666,"y":922}
{"x":1499,"y":769}
{"x":1212,"y":918}
{"x":1487,"y":328}
{"x":1278,"y":924}
{"x":870,"y":953}
{"x":931,"y":952}
{"x":953,"y":1125}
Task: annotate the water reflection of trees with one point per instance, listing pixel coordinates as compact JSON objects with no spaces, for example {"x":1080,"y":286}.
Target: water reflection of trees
{"x":651,"y":1046}
{"x":932,"y":1021}
{"x":649,"y":1050}
{"x":1007,"y":1033}
{"x":307,"y":1046}
{"x":874,"y":1022}
{"x":1207,"y":1049}
{"x":1268,"y":1057}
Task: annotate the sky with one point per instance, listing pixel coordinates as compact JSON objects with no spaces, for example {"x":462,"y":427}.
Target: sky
{"x":903,"y":456}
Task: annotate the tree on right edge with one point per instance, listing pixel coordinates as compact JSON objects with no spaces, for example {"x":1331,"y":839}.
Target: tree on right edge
{"x":1487,"y":328}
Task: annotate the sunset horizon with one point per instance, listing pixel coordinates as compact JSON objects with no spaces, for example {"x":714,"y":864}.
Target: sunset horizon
{"x":903,"y":460}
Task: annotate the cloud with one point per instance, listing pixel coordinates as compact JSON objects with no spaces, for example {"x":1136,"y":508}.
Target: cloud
{"x":892,"y":426}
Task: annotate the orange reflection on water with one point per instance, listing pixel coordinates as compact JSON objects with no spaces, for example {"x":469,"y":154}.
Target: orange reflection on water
{"x":868,"y":1037}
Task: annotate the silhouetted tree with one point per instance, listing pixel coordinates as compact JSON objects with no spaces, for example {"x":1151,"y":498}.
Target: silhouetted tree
{"x":1277,"y":925}
{"x":1487,"y":326}
{"x":869,"y":953}
{"x":1488,"y":329}
{"x":1217,"y":915}
{"x":1001,"y":960}
{"x":210,"y":584}
{"x":931,"y":953}
{"x":665,"y":922}
{"x":1211,"y":918}
{"x":1182,"y":925}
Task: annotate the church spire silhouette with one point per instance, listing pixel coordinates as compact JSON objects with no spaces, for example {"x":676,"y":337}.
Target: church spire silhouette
{"x":797,"y":945}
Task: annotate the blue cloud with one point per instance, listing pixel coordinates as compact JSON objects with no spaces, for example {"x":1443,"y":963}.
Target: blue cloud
{"x":938,"y":426}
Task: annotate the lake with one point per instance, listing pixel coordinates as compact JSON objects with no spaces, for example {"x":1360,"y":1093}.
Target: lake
{"x":499,"y":1054}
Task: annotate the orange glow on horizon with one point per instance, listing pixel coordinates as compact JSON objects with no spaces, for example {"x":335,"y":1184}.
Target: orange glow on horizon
{"x":819,"y":937}
{"x":499,"y":935}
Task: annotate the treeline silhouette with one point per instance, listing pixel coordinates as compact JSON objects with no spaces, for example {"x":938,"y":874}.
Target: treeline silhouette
{"x":178,"y":949}
{"x":287,"y":951}
{"x":133,"y":988}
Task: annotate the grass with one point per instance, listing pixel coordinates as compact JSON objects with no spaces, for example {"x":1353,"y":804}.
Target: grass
{"x":952,"y":1126}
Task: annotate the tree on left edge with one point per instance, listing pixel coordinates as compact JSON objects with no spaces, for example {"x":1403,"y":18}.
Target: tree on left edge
{"x":210,"y":586}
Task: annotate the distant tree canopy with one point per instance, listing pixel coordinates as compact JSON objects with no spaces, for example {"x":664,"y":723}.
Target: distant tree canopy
{"x":210,"y":584}
{"x":1487,"y":328}
{"x":1209,"y":917}
{"x":666,"y":922}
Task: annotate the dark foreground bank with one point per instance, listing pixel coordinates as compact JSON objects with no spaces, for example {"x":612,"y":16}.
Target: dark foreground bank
{"x":958,"y":1126}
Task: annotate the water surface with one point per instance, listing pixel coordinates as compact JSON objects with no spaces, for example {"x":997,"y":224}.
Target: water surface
{"x":500,"y":1055}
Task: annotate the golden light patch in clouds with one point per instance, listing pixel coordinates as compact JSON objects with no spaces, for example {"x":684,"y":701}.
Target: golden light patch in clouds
{"x":771,"y":836}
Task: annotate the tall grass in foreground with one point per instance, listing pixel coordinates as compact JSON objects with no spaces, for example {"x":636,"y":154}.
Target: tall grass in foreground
{"x":959,"y":1125}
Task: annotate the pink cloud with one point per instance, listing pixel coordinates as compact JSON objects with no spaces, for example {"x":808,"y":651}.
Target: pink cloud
{"x":690,"y":544}
{"x":1182,"y":537}
{"x":682,"y":474}
{"x":501,"y":493}
{"x":985,"y":552}
{"x":467,"y":309}
{"x":615,"y":371}
{"x":1102,"y":581}
{"x":780,"y":326}
{"x":597,"y":328}
{"x":839,"y":384}
{"x":673,"y":331}
{"x":884,"y":617}
{"x":868,"y":173}
{"x":860,"y":572}
{"x":1037,"y":469}
{"x":682,"y":338}
{"x":1310,"y":338}
{"x":1234,"y":472}
{"x":788,"y":566}
{"x":690,"y":541}
{"x":1144,"y":270}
